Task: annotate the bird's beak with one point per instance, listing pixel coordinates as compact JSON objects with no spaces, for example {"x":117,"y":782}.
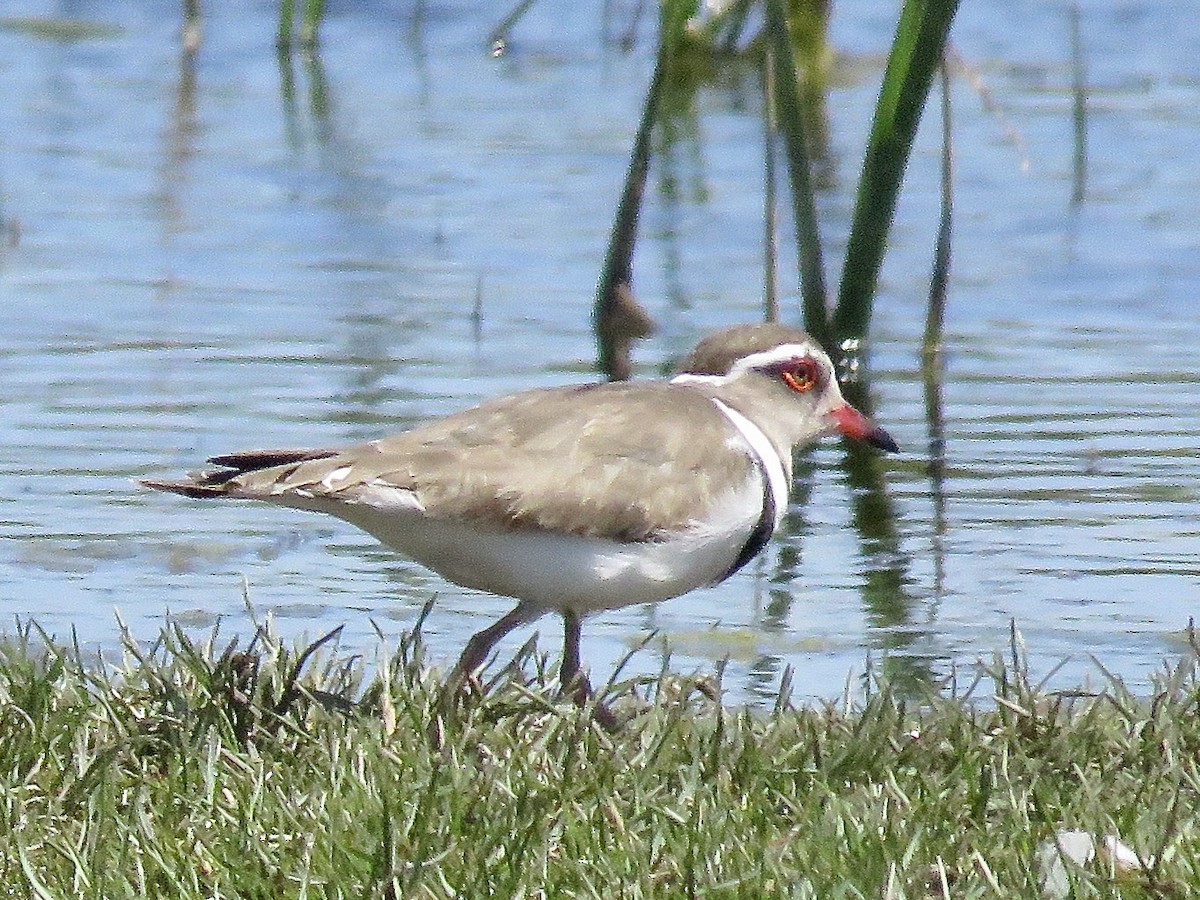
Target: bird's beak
{"x":853,"y":424}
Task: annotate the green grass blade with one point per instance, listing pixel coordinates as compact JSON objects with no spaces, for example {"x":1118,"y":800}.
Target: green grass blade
{"x":792,"y":126}
{"x":916,"y":53}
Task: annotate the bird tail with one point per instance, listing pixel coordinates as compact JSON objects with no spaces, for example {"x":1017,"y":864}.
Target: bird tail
{"x":219,"y":482}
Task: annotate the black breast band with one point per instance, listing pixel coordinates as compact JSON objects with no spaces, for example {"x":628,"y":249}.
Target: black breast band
{"x":763,"y":528}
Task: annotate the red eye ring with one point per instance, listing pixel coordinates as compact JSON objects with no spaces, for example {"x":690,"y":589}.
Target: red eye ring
{"x":801,"y":376}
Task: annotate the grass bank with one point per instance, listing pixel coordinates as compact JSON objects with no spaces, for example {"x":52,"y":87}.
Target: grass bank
{"x":195,"y":770}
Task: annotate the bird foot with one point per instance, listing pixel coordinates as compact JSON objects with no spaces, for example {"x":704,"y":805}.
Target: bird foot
{"x":579,"y":689}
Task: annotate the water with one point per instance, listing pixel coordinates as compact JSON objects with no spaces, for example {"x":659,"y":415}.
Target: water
{"x":199,"y":259}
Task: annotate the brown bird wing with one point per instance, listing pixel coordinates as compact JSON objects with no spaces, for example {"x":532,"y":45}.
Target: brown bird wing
{"x":629,"y":462}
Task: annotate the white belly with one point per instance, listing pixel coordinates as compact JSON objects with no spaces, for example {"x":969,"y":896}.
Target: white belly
{"x":558,"y":571}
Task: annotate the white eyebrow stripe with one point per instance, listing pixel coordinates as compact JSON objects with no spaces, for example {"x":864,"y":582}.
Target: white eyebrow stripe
{"x":779,"y":354}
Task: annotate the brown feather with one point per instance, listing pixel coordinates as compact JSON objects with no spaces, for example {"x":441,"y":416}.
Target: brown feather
{"x":578,"y":460}
{"x":253,"y":460}
{"x":186,"y":488}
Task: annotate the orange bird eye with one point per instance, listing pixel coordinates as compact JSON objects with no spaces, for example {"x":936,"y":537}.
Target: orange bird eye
{"x":801,"y":376}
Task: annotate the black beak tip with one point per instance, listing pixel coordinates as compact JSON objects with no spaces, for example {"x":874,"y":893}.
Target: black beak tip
{"x":884,"y":441}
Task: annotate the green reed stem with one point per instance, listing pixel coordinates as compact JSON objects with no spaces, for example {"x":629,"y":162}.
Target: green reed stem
{"x":916,"y":53}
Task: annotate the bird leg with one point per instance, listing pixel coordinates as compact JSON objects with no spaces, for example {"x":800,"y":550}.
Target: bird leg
{"x":480,"y":645}
{"x":572,"y":681}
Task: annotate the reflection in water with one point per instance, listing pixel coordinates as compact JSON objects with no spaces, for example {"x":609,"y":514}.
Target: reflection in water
{"x":193,"y":31}
{"x":933,"y":351}
{"x":1078,"y":110}
{"x":887,"y":600}
{"x":318,"y":106}
{"x":175,"y":159}
{"x":933,"y":377}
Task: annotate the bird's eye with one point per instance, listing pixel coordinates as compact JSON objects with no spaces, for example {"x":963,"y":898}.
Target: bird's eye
{"x":802,"y":375}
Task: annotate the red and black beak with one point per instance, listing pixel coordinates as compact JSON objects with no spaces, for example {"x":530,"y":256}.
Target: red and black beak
{"x":855,"y":425}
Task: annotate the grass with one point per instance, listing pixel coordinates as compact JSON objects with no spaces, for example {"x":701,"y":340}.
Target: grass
{"x":193,"y":771}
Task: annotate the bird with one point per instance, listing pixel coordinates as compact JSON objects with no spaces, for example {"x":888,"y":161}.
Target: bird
{"x":578,"y":498}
